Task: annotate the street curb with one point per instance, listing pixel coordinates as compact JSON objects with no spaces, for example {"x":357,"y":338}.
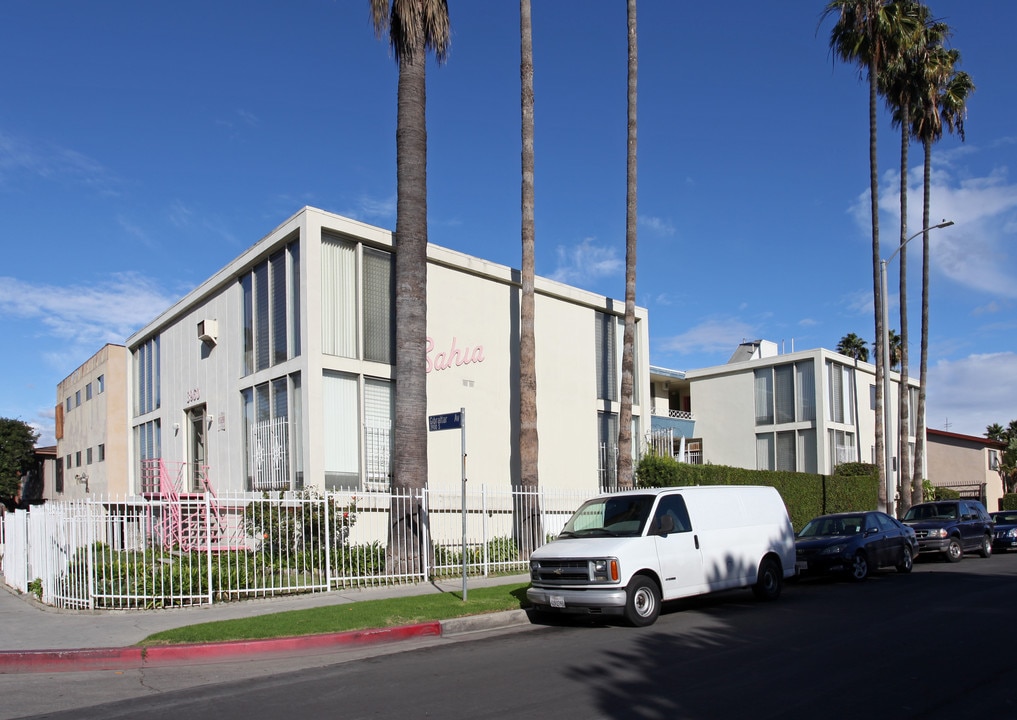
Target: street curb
{"x":43,"y":661}
{"x":51,"y":661}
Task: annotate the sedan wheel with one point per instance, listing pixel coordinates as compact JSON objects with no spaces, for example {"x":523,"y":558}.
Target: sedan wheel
{"x":906,"y":562}
{"x":859,"y":567}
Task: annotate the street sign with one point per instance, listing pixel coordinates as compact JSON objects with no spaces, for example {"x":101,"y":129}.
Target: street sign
{"x":447,"y":421}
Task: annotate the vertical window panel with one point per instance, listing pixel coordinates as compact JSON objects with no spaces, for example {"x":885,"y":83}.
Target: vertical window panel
{"x":247,"y":319}
{"x":294,"y":249}
{"x":805,"y":377}
{"x":784,"y":393}
{"x":763,"y":394}
{"x":261,"y":310}
{"x":379,"y":299}
{"x":341,"y":426}
{"x":280,"y":333}
{"x":339,"y":298}
{"x":607,"y":356}
{"x":764,"y":451}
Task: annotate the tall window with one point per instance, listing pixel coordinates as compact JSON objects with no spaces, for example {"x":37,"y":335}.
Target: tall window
{"x":269,"y":309}
{"x":607,"y":356}
{"x":785,"y":393}
{"x":379,"y":303}
{"x":763,"y":394}
{"x":148,"y":447}
{"x":146,"y":372}
{"x":378,"y":403}
{"x":842,"y":448}
{"x":342,"y":430}
{"x":607,"y":436}
{"x":268,"y":434}
{"x":842,"y":393}
{"x":339,"y":297}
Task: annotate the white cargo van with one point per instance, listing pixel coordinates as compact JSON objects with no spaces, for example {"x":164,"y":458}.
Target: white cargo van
{"x":624,"y":553}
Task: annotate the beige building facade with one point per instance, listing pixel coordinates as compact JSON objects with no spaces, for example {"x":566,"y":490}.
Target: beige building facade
{"x":91,"y":421}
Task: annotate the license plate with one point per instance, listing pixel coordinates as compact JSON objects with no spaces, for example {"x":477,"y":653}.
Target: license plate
{"x":801,"y":566}
{"x":557,"y":601}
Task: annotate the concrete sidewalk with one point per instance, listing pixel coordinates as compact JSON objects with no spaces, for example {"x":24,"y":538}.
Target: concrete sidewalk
{"x":37,"y":638}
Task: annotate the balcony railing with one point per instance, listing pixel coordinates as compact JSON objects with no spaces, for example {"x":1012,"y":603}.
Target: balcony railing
{"x":676,"y":414}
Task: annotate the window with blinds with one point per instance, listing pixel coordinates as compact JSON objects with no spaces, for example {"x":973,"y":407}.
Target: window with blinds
{"x":338,"y":297}
{"x":270,"y":307}
{"x":341,"y":425}
{"x":379,"y":304}
{"x":607,"y":356}
{"x":146,"y":373}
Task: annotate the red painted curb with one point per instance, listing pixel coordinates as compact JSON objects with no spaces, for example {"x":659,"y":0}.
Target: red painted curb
{"x":31,"y":661}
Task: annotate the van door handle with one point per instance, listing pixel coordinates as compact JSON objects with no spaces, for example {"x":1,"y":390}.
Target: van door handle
{"x":696,"y":538}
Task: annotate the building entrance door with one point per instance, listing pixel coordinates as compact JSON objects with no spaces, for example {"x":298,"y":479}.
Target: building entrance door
{"x":197,"y":430}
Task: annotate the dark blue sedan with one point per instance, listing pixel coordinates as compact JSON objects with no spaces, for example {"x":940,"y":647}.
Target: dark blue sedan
{"x":855,"y":544}
{"x":1005,"y":535}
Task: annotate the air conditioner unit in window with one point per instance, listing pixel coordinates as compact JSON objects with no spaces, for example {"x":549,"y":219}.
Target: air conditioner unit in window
{"x":208,"y":331}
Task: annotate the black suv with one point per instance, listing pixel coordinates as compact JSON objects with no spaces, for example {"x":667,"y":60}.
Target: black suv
{"x":952,"y":527}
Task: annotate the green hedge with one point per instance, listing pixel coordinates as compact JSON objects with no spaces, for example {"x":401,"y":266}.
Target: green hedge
{"x":1008,"y":502}
{"x":854,"y":487}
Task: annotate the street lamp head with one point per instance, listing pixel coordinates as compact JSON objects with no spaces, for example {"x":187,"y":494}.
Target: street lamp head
{"x":945,"y":223}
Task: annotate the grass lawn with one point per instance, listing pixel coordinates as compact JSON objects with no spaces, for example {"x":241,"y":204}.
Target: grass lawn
{"x":350,"y":616}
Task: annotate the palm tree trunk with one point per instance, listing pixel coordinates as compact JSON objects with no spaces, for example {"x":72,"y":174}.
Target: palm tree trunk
{"x":919,"y":469}
{"x":409,"y":455}
{"x":904,"y":395}
{"x":876,"y":294}
{"x":629,"y":335}
{"x":529,"y":528}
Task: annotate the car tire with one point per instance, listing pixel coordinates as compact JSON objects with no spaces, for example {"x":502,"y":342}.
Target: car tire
{"x":907,"y":561}
{"x":954,"y":551}
{"x":859,"y":569}
{"x":769,"y":580}
{"x":986,"y":549}
{"x":642,"y":602}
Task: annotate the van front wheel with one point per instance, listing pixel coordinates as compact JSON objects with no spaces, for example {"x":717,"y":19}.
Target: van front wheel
{"x":642,"y":604}
{"x":769,"y":581}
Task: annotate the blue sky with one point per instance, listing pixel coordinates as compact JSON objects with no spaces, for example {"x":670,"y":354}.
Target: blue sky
{"x":145,"y":145}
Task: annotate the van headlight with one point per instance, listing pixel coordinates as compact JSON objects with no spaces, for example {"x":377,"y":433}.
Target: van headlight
{"x":604,"y":570}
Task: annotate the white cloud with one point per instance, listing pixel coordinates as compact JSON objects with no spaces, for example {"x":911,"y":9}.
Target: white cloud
{"x":86,"y":316}
{"x":19,"y":158}
{"x":713,"y":335}
{"x":656,"y":225}
{"x":968,"y":394}
{"x":974,"y":252}
{"x":585,"y":262}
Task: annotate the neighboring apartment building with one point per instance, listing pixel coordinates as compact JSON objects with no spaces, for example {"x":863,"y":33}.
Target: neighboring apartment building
{"x":967,"y":464}
{"x":276,"y":372}
{"x":805,"y":411}
{"x":91,"y":428}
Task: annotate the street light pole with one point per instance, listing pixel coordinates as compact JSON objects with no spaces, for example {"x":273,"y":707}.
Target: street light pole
{"x":887,"y":423}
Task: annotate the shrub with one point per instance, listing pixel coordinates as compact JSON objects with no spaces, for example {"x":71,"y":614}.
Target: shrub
{"x":1008,"y":502}
{"x":657,"y":471}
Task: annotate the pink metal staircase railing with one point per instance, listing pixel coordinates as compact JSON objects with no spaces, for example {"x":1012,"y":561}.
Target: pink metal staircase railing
{"x":189,"y":521}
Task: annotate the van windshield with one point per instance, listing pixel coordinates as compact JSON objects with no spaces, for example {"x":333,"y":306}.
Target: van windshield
{"x":618,"y":516}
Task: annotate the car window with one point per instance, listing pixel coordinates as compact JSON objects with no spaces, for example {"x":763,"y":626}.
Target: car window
{"x":884,"y":522}
{"x":672,"y":506}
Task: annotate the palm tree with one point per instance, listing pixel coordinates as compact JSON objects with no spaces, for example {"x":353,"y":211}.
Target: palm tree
{"x":995,"y":432}
{"x":854,"y":347}
{"x":943,"y":100}
{"x":901,"y":84}
{"x":895,"y":349}
{"x":867,"y":34}
{"x":414,"y":27}
{"x":629,"y":336}
{"x":530,"y":531}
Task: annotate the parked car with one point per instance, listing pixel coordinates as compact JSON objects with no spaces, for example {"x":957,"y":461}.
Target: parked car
{"x":854,"y":543}
{"x":1005,"y":537}
{"x":952,"y":528}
